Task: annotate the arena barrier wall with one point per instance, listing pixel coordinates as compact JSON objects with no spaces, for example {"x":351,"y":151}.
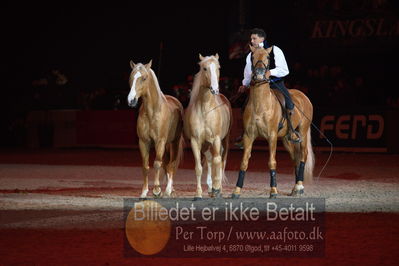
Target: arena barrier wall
{"x":360,"y":130}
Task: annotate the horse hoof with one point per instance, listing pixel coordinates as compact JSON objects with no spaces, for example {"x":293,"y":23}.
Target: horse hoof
{"x":216,"y":193}
{"x":235,"y":196}
{"x":273,"y":195}
{"x":210,"y":194}
{"x":295,"y":193}
{"x":197,"y":198}
{"x":142,"y":199}
{"x":157,"y":195}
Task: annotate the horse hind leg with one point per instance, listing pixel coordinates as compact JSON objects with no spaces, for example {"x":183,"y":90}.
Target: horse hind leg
{"x":168,"y":166}
{"x":294,"y":151}
{"x":174,"y":158}
{"x":159,"y":151}
{"x":273,"y":165}
{"x":302,"y":152}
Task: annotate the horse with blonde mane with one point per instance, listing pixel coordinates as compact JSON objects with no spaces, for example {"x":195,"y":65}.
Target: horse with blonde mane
{"x":159,"y":124}
{"x":207,"y":123}
{"x":264,"y":116}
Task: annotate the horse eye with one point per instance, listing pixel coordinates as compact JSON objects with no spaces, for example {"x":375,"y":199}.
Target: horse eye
{"x":204,"y":68}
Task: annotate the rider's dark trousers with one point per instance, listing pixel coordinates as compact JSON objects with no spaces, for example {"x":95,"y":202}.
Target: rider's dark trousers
{"x":279,"y":85}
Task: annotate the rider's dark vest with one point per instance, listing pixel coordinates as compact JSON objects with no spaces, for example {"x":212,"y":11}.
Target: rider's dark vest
{"x":272,"y":63}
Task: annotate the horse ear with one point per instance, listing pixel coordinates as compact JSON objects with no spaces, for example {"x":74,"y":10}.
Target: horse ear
{"x":132,"y":65}
{"x":252,"y":48}
{"x":217,"y":56}
{"x":201,"y":57}
{"x":148,"y":66}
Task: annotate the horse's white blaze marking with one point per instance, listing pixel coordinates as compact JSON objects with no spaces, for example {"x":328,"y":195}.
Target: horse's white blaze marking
{"x":214,"y":80}
{"x":132,"y":93}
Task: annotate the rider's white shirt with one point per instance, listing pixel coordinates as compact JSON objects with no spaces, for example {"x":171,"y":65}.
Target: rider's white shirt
{"x":280,"y":71}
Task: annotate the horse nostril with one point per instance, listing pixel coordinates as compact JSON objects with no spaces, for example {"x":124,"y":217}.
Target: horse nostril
{"x":132,"y":103}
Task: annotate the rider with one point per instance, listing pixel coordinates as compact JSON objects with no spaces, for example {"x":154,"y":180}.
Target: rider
{"x":278,"y":70}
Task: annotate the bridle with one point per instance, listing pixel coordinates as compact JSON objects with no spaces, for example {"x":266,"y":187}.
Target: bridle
{"x":261,"y":71}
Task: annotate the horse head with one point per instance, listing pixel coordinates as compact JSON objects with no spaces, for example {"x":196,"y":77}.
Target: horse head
{"x":138,"y":82}
{"x":209,"y":66}
{"x":260,"y":63}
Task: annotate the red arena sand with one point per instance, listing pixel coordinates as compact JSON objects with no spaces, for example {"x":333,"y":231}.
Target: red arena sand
{"x":63,"y":207}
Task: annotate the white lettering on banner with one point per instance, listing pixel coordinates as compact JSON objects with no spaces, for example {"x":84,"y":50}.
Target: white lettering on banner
{"x":348,"y":126}
{"x":323,"y":29}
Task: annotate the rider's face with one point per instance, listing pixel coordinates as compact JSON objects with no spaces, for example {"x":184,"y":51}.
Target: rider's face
{"x":256,"y":40}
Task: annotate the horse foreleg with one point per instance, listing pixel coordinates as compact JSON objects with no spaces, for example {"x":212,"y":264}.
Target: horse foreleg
{"x":247,"y":141}
{"x":272,"y":165}
{"x":159,"y":152}
{"x":196,"y":147}
{"x":145,"y":151}
{"x":208,"y":156}
{"x":216,"y":168}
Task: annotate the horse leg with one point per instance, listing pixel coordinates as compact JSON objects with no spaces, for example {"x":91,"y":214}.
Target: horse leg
{"x":293,"y":151}
{"x":216,"y":168}
{"x":300,"y":167}
{"x":159,"y":152}
{"x":289,"y":146}
{"x":196,"y":147}
{"x":168,"y":170}
{"x":272,"y":165}
{"x":145,"y":151}
{"x":208,"y":156}
{"x":171,"y":166}
{"x":247,"y":141}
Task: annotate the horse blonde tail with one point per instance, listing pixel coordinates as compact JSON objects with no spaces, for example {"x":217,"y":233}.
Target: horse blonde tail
{"x":225,"y":146}
{"x":310,"y":159}
{"x":180,"y":151}
{"x":226,"y":140}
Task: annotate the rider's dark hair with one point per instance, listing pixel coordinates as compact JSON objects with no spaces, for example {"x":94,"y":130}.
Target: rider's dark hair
{"x":259,"y":32}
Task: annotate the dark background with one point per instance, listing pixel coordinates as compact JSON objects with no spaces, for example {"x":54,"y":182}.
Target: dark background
{"x":91,"y":44}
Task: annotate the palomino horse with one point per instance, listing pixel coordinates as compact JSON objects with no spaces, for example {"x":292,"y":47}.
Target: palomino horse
{"x":159,"y":123}
{"x":207,"y":123}
{"x":262,"y":116}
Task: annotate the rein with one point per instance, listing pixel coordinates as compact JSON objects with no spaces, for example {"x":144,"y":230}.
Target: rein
{"x":215,"y":108}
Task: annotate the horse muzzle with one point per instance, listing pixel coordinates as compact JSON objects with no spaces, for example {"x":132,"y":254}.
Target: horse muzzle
{"x":214,"y":91}
{"x":132,"y":103}
{"x":260,"y":79}
{"x":260,"y":75}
